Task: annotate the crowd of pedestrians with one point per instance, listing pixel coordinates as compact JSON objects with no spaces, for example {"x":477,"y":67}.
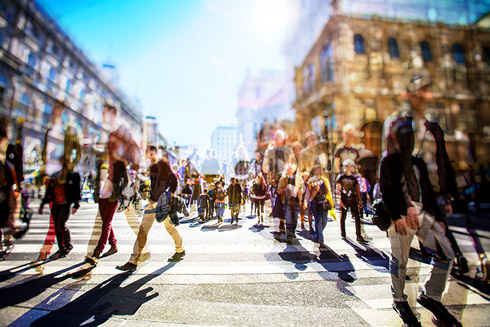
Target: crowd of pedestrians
{"x":288,"y":178}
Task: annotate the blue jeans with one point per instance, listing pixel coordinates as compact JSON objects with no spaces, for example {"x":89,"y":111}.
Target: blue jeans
{"x":291,"y":218}
{"x":321,"y":218}
{"x":220,"y":209}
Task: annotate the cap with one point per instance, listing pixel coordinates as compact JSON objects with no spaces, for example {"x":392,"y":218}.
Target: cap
{"x":416,"y":79}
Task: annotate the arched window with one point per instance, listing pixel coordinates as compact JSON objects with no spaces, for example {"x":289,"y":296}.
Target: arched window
{"x":426,"y":53}
{"x":458,"y":53}
{"x":393,"y":48}
{"x":359,"y":47}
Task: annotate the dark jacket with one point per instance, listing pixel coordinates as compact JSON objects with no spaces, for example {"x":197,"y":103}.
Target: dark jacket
{"x":234,"y":193}
{"x":162,"y":179}
{"x":390,"y":181}
{"x":72,"y":190}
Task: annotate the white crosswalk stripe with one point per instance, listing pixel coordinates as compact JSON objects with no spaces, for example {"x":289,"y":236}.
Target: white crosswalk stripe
{"x":224,"y":254}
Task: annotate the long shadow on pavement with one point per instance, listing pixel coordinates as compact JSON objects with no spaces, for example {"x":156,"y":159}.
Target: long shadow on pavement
{"x":21,"y":292}
{"x":104,"y":301}
{"x":371,"y":255}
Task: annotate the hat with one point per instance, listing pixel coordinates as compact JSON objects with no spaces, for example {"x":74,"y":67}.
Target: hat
{"x":417,"y":79}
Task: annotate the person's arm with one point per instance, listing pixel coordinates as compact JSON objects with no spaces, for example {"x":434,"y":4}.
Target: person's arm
{"x":359,"y":199}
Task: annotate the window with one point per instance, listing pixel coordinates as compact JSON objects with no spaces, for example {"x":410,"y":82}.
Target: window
{"x":426,"y":53}
{"x":48,"y":110}
{"x":359,"y":47}
{"x":1,"y":39}
{"x":52,"y":77}
{"x":327,"y":67}
{"x":458,"y":53}
{"x":68,"y":89}
{"x":31,"y":63}
{"x":393,"y":48}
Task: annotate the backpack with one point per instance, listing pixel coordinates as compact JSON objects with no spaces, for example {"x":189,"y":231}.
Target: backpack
{"x":220,"y":195}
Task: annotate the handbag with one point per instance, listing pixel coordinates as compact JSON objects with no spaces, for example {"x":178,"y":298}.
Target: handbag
{"x":323,"y":204}
{"x":381,"y":217}
{"x":163,"y":207}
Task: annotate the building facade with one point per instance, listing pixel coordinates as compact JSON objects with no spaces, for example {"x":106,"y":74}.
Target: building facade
{"x":39,"y":64}
{"x":224,"y":142}
{"x":356,"y":72}
{"x":151,"y":134}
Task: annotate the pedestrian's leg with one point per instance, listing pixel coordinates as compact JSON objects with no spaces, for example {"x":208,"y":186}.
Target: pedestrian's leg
{"x":342,"y":221}
{"x":141,"y":240}
{"x":400,"y":250}
{"x":56,"y":214}
{"x":96,"y":232}
{"x":135,"y":225}
{"x":431,"y":233}
{"x":354,"y":210}
{"x":107,"y":210}
{"x":67,"y":246}
{"x":174,"y":233}
{"x":50,"y":237}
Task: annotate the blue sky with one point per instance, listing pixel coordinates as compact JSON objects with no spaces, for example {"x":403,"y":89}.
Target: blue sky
{"x":184,"y":60}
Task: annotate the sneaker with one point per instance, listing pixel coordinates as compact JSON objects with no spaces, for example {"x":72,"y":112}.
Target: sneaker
{"x":177,"y":256}
{"x":367,"y":238}
{"x":323,"y":245}
{"x":144,"y":257}
{"x":362,"y":240}
{"x":128,"y":266}
{"x":440,"y":312}
{"x":67,"y":249}
{"x":57,"y":255}
{"x":111,"y":251}
{"x":406,"y":313}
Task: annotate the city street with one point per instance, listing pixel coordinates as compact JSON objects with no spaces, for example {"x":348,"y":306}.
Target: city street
{"x":232,"y":275}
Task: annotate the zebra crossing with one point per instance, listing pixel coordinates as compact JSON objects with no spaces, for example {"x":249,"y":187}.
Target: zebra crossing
{"x":232,"y":275}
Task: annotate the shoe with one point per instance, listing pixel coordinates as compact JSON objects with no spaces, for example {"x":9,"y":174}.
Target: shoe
{"x":406,"y":313}
{"x":67,"y":249}
{"x":367,"y":238}
{"x":177,"y":256}
{"x":302,"y":225}
{"x":144,"y":257}
{"x":111,"y":251}
{"x":57,"y":255}
{"x":323,"y":245}
{"x":440,"y":312}
{"x":92,"y":260}
{"x":362,"y":240}
{"x":128,"y":266}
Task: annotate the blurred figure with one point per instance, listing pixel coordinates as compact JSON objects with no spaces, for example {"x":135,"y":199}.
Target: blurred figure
{"x":291,"y":185}
{"x":202,"y":206}
{"x":60,"y":142}
{"x":319,"y":202}
{"x":220,"y":201}
{"x":349,"y":198}
{"x":120,"y":151}
{"x":234,"y":193}
{"x":346,"y":149}
{"x":10,"y":188}
{"x":408,"y":192}
{"x":212,"y":199}
{"x":210,"y":165}
{"x":276,"y":157}
{"x":260,"y":191}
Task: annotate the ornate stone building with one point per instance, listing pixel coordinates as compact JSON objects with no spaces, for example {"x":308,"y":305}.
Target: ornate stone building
{"x":354,"y":72}
{"x":39,"y":63}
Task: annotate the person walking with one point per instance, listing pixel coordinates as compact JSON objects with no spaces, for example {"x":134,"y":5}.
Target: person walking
{"x":260,"y":191}
{"x":220,"y":201}
{"x":163,"y":186}
{"x":349,"y":198}
{"x":234,"y":193}
{"x":407,"y":189}
{"x":319,"y":202}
